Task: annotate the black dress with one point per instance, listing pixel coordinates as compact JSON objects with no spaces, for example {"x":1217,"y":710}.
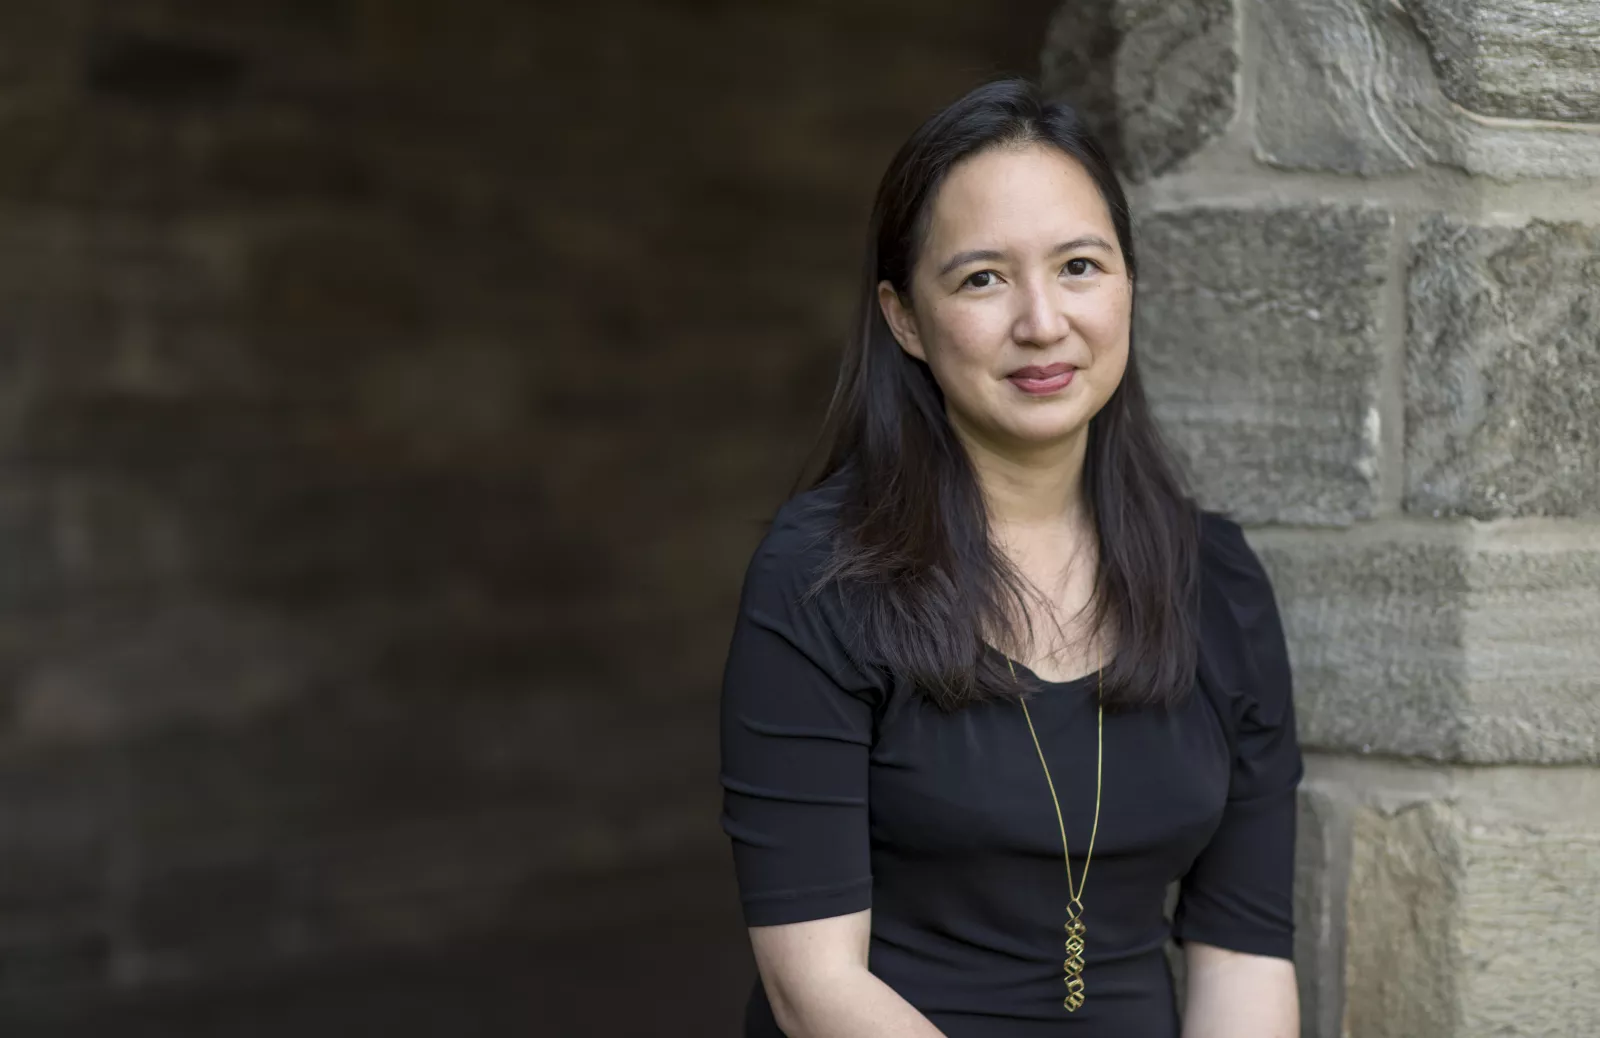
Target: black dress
{"x":844,"y":790}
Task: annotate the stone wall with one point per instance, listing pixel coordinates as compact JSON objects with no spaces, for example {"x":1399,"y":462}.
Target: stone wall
{"x":1370,"y":307}
{"x":390,"y":397}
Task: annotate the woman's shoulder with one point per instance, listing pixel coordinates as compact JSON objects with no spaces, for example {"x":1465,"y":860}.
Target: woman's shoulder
{"x":798,"y":541}
{"x":786,"y":589}
{"x":786,"y":569}
{"x":1228,"y":563}
{"x":1241,"y":630}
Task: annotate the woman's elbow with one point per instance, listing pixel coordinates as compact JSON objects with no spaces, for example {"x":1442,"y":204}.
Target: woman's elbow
{"x":1233,"y":994}
{"x":801,"y":963}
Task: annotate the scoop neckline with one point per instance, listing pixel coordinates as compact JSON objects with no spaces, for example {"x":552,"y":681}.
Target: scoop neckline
{"x":1024,"y":670}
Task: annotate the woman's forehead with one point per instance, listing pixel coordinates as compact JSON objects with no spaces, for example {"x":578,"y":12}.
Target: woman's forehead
{"x":1022,"y":193}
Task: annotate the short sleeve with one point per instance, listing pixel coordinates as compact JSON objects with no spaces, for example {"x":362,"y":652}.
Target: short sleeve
{"x":1239,"y":893}
{"x":797,"y":719}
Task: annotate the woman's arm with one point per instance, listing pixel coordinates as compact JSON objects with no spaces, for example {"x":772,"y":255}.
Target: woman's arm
{"x":1231,"y":994}
{"x":815,"y":975}
{"x":1235,"y":913}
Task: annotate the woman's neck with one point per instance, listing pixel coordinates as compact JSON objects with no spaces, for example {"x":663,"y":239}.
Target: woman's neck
{"x":1039,"y":517}
{"x":1033,"y":489}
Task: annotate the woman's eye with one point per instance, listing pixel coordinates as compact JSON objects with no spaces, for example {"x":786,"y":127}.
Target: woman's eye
{"x":980,"y":279}
{"x":1080,"y":259}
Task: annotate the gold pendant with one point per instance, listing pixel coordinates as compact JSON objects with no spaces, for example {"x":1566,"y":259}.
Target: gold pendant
{"x":1074,"y":961}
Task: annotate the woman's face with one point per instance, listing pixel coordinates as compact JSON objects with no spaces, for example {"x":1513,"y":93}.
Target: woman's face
{"x":1020,"y":303}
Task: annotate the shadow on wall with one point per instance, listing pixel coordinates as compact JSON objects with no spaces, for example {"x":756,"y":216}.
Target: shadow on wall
{"x":392,"y":396}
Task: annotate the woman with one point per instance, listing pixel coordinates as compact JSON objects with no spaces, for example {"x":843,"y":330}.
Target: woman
{"x":995,"y":680}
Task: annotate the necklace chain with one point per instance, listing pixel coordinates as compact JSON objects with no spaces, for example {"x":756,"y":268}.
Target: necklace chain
{"x":1075,"y":928}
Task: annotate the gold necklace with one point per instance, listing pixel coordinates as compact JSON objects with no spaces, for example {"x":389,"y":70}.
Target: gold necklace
{"x":1073,"y":966}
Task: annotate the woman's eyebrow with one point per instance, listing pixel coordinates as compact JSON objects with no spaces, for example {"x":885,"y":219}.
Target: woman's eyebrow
{"x":1082,"y":242}
{"x":1086,"y":241}
{"x":970,"y":256}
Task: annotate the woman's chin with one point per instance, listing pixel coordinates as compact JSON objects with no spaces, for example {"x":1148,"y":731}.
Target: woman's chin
{"x":1026,"y":429}
{"x":1038,"y":435}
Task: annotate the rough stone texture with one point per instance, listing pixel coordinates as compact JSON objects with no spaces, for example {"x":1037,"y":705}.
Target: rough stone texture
{"x":1352,"y":88}
{"x":1167,"y":71}
{"x":1503,"y":369}
{"x":1500,"y":925}
{"x":1260,"y":339}
{"x":1322,"y":862}
{"x":1436,"y":897}
{"x":1079,"y":63}
{"x":1523,"y":59}
{"x":1441,"y":901}
{"x":1452,"y":642}
{"x":1401,"y":979}
{"x":1339,"y":88}
{"x":390,"y":397}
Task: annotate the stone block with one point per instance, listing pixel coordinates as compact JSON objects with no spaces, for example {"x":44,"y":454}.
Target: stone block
{"x":1322,"y":857}
{"x":1503,"y":369}
{"x":1078,"y":63}
{"x":1461,"y":642}
{"x":1458,"y":926}
{"x":1171,"y":70}
{"x":1260,"y":339}
{"x":1446,"y":901}
{"x":1323,"y":67}
{"x":1353,"y":88}
{"x":1399,"y":978}
{"x":1519,"y":59}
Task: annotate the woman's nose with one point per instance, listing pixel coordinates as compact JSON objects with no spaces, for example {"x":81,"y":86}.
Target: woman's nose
{"x":1043,"y":320}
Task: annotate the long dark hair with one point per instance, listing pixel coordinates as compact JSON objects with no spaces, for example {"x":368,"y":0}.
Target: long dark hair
{"x":911,"y":547}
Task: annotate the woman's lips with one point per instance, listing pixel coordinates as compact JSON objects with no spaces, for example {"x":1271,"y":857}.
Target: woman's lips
{"x":1041,"y":381}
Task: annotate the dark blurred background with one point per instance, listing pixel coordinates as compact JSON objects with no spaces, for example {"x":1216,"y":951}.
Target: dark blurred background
{"x":391,"y":393}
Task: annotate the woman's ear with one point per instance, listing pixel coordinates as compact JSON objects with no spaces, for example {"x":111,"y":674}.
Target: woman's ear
{"x":902,"y":322}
